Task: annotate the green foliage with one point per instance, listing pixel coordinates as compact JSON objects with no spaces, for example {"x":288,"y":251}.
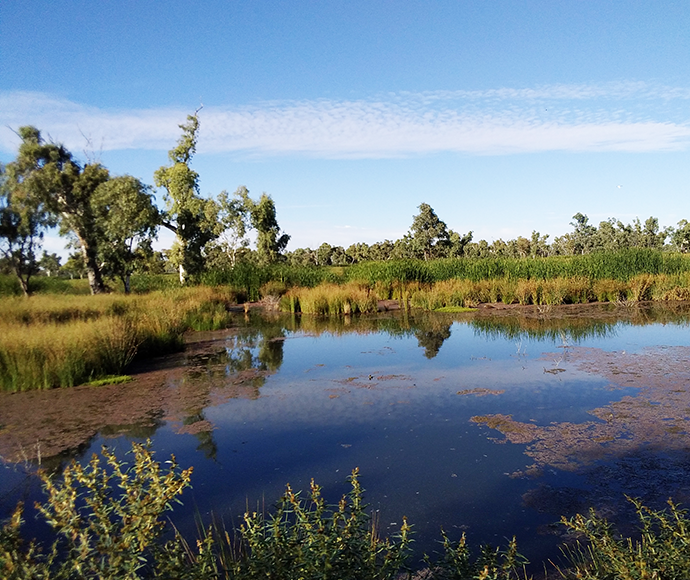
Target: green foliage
{"x":105,"y":519}
{"x":127,"y":220}
{"x":46,"y":175}
{"x":270,"y":242}
{"x":457,"y":562}
{"x":429,"y":235}
{"x":107,"y":522}
{"x":192,"y":218}
{"x":312,"y":540}
{"x":392,"y":271}
{"x":248,"y":278}
{"x":660,"y":553}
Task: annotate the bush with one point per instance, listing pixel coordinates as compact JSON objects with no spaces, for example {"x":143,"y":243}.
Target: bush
{"x":105,"y":520}
{"x":660,"y":553}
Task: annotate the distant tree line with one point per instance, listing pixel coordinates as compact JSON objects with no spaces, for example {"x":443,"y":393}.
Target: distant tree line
{"x":429,"y":238}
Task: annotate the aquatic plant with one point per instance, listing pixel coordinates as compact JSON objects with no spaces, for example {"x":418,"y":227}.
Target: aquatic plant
{"x":107,"y":521}
{"x":331,"y":299}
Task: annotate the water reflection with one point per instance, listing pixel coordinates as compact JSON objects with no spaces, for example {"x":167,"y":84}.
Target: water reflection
{"x":416,"y":400}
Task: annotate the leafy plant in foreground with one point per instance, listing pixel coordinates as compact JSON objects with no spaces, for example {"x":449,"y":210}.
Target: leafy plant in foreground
{"x":491,"y":564}
{"x":312,"y":540}
{"x":106,"y":519}
{"x":661,"y":553}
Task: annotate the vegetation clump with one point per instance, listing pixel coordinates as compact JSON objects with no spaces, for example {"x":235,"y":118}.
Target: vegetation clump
{"x":58,"y":341}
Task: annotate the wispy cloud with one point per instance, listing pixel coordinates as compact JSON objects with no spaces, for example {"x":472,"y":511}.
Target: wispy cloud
{"x":610,"y":117}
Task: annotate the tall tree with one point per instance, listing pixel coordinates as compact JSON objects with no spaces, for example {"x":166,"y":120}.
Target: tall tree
{"x":192,"y":218}
{"x":681,"y":236}
{"x":46,"y":174}
{"x":269,"y":241}
{"x":583,"y":236}
{"x":234,"y":222}
{"x":428,"y":231}
{"x":458,"y":243}
{"x":127,"y":220}
{"x":50,"y":263}
{"x":23,"y":221}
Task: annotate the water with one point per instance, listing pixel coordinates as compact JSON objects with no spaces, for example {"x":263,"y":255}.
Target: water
{"x":287,"y":400}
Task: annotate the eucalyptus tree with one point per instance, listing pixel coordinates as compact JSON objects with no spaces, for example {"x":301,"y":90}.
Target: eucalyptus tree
{"x":234,"y":223}
{"x":74,"y":266}
{"x":338,"y":256}
{"x":358,"y":252}
{"x":429,"y":233}
{"x":323,"y":254}
{"x":539,"y":246}
{"x":191,"y":217}
{"x":50,"y":263}
{"x":45,"y":175}
{"x":458,"y":243}
{"x":23,"y":221}
{"x":301,"y":257}
{"x":680,"y":237}
{"x":127,"y":221}
{"x":269,"y":241}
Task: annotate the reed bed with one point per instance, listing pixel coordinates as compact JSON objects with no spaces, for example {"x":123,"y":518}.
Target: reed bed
{"x":61,"y":341}
{"x":331,"y":299}
{"x":248,"y":279}
{"x":622,"y":265}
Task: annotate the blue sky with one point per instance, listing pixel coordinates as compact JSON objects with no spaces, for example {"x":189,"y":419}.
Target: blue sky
{"x":505,"y":116}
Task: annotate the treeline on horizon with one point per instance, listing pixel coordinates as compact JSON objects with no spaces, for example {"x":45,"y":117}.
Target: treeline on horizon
{"x":112,"y":221}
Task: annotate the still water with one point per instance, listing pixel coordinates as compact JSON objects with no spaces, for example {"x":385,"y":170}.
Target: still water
{"x":492,"y":425}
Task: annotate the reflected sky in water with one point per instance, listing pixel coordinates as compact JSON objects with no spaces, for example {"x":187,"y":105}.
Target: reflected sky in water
{"x":393,"y":396}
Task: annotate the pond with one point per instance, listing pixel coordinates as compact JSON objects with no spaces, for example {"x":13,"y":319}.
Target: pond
{"x":495,"y":423}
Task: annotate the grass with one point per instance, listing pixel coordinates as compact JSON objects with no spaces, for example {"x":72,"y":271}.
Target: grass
{"x":111,"y":380}
{"x":60,"y":341}
{"x":60,"y":338}
{"x":331,"y":299}
{"x":460,"y":293}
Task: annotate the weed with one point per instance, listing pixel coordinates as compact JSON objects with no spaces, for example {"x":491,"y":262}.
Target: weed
{"x":661,"y":552}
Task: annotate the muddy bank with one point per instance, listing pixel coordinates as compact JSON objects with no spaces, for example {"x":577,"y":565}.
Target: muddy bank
{"x":43,"y":424}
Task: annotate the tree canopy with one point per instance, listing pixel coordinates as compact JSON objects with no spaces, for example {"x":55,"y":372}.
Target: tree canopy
{"x":191,"y":217}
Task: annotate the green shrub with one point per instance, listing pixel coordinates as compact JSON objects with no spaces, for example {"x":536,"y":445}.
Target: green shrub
{"x":661,"y":553}
{"x":105,"y":520}
{"x":308,"y":539}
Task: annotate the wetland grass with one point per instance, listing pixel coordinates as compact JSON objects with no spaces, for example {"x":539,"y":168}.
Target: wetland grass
{"x":333,"y":299}
{"x":62,"y":341}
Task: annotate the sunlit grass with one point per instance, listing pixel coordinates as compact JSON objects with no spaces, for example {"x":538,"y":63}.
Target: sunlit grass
{"x":331,"y":299}
{"x":61,"y":341}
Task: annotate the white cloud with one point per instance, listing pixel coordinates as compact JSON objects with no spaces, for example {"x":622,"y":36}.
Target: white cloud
{"x":610,"y":117}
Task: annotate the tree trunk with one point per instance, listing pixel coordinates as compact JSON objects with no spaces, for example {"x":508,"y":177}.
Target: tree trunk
{"x":126,"y":282}
{"x":93,"y":272}
{"x":24,"y":283}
